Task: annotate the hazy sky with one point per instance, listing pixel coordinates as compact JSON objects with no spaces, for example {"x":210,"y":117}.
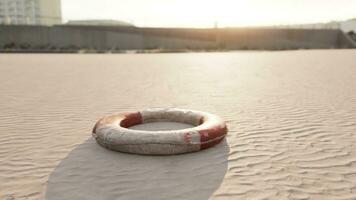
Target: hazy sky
{"x":203,"y":13}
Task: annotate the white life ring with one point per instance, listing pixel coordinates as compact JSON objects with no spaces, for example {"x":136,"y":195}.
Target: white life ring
{"x":113,"y":132}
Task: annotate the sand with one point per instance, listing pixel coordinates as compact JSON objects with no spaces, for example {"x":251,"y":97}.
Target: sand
{"x":291,"y":116}
{"x":161,"y":126}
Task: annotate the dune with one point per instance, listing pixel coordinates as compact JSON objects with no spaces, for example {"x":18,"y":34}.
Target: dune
{"x":291,"y":117}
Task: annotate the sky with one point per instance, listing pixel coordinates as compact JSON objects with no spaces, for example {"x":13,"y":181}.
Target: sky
{"x":205,"y":13}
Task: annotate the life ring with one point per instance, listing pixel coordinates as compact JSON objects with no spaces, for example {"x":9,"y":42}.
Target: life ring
{"x":113,"y":132}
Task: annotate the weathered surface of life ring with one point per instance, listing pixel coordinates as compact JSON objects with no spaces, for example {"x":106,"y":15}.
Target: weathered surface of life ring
{"x":113,"y":132}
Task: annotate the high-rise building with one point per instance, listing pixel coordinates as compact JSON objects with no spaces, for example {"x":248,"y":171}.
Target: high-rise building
{"x":40,"y":12}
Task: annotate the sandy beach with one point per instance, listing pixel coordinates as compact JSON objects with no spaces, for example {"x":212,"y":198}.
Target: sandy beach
{"x":291,"y":117}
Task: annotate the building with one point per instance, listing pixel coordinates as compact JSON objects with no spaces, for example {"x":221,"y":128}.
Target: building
{"x":346,"y":26}
{"x":99,"y":23}
{"x":349,"y":25}
{"x":37,"y":12}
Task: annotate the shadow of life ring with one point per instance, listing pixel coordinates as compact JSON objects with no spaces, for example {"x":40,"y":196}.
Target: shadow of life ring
{"x":113,"y":132}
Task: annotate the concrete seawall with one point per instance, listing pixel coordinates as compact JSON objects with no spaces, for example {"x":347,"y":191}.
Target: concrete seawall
{"x":133,"y":38}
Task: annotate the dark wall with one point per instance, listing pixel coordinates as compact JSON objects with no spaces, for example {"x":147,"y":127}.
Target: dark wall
{"x":129,"y":38}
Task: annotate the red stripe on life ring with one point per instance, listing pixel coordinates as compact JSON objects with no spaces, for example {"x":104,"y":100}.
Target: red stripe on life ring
{"x":131,"y":120}
{"x":210,"y":144}
{"x":212,"y":133}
